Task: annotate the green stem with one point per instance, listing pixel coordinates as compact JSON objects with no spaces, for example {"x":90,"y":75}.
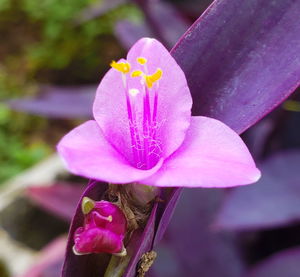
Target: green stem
{"x":116,"y":266}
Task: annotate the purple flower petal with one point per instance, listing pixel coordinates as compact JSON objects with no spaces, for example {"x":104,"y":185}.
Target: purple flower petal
{"x":273,"y":201}
{"x":174,"y":100}
{"x":86,"y":152}
{"x":282,"y":264}
{"x":241,"y":59}
{"x":212,"y":155}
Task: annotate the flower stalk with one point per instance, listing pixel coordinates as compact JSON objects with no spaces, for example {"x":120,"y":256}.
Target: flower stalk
{"x":117,"y":266}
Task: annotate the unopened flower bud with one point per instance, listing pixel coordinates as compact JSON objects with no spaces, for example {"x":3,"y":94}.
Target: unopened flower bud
{"x":103,"y":230}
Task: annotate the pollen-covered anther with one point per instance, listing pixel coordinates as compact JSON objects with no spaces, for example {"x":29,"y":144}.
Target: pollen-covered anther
{"x":141,"y":60}
{"x":123,"y":67}
{"x":136,"y":73}
{"x":151,"y":79}
{"x":134,"y":92}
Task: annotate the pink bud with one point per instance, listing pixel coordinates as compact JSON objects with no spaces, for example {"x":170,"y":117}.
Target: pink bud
{"x":103,"y":230}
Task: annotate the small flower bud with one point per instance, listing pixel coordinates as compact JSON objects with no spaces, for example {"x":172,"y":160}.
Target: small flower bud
{"x":103,"y":230}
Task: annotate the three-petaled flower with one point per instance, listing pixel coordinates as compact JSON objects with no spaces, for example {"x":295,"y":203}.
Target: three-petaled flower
{"x":144,"y":132}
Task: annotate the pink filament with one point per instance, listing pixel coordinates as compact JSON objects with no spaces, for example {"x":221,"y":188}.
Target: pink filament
{"x":131,"y":124}
{"x":143,"y":136}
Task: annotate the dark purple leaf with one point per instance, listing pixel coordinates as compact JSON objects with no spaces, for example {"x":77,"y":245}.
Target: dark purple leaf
{"x":282,"y":264}
{"x":256,"y":137}
{"x":49,"y":261}
{"x":59,"y":102}
{"x":241,"y":59}
{"x":191,"y":247}
{"x":235,"y":73}
{"x":272,"y":201}
{"x":129,"y":32}
{"x":165,"y":212}
{"x":59,"y":199}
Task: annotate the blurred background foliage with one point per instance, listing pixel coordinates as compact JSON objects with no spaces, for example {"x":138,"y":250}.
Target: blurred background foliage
{"x":43,"y":42}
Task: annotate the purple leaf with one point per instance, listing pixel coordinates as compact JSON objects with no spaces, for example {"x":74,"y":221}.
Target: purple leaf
{"x":166,"y":211}
{"x":191,"y":246}
{"x":237,"y":73}
{"x":284,"y":263}
{"x":128,"y":32}
{"x":49,"y":261}
{"x":59,"y":199}
{"x":257,"y":137}
{"x":59,"y":102}
{"x":272,"y":201}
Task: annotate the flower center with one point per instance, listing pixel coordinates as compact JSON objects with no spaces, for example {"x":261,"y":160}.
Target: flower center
{"x":145,"y":143}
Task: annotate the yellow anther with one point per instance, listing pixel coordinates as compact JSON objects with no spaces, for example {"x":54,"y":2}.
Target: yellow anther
{"x":141,"y":60}
{"x":123,"y":67}
{"x":136,"y":73}
{"x":151,"y":79}
{"x":148,"y":81}
{"x":157,"y":75}
{"x":110,"y":218}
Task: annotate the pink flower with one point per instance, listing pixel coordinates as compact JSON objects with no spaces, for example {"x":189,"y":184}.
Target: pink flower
{"x":144,"y":132}
{"x":103,"y":231}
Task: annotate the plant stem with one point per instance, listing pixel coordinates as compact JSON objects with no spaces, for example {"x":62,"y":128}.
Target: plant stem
{"x":117,"y":266}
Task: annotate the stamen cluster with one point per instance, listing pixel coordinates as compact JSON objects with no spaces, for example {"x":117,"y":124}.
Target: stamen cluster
{"x":146,"y":146}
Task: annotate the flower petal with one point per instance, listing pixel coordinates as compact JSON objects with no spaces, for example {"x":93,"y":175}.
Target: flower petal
{"x":174,"y":100}
{"x":87,"y":153}
{"x":97,"y":240}
{"x":212,"y":155}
